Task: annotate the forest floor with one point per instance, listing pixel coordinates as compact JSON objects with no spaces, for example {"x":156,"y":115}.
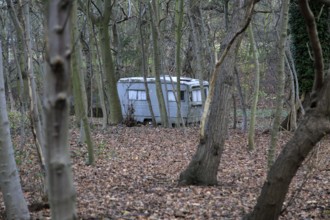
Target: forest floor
{"x":136,"y":171}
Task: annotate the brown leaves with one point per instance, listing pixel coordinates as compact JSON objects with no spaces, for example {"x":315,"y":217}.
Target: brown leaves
{"x":136,"y":172}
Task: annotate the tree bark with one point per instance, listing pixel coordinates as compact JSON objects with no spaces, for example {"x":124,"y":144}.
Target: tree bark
{"x":280,"y":83}
{"x":178,"y":60}
{"x":37,"y":130}
{"x":98,"y":74}
{"x":242,"y":100}
{"x":157,"y":65}
{"x":144,"y":65}
{"x":313,"y":127}
{"x":203,"y":167}
{"x":16,"y":206}
{"x":61,"y":190}
{"x":255,"y":92}
{"x":79,"y":91}
{"x":193,"y":14}
{"x":102,"y":22}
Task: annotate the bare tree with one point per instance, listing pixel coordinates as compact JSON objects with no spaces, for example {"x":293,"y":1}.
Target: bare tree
{"x":16,"y":206}
{"x":61,"y":192}
{"x":203,"y":167}
{"x":313,"y":127}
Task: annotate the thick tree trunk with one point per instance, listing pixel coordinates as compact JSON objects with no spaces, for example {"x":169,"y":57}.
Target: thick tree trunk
{"x":313,"y":127}
{"x":16,"y":206}
{"x":203,"y":168}
{"x":109,"y":70}
{"x":61,"y":190}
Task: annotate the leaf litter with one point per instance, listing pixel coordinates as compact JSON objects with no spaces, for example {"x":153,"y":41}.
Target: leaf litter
{"x":136,"y":171}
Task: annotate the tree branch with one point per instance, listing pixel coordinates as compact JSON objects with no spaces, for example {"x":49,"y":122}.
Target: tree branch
{"x":326,"y":2}
{"x":315,"y":44}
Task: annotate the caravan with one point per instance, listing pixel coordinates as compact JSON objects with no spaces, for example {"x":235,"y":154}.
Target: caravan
{"x":132,"y":94}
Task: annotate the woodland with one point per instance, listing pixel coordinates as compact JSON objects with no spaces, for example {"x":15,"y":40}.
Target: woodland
{"x":260,"y":150}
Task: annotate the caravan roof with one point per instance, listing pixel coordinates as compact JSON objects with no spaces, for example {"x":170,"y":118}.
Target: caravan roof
{"x":166,"y":78}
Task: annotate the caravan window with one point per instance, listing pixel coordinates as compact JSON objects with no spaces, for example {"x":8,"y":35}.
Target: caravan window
{"x":197,"y":95}
{"x":171,"y":97}
{"x":137,"y":95}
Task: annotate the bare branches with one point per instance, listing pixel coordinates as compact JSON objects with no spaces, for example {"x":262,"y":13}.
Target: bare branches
{"x":315,"y":44}
{"x":326,"y":2}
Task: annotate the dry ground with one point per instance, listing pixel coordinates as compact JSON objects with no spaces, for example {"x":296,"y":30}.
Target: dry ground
{"x":135,"y":177}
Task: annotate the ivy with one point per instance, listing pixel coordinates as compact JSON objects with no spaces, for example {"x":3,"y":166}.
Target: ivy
{"x":300,"y":46}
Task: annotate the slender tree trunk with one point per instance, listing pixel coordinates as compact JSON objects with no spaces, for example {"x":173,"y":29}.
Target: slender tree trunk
{"x":6,"y":38}
{"x":37,"y":130}
{"x":98,"y":75}
{"x":178,"y":68}
{"x":251,"y":135}
{"x":144,"y":66}
{"x":235,"y":111}
{"x":196,"y":37}
{"x":61,"y":190}
{"x":16,"y":206}
{"x":157,"y":66}
{"x":280,"y":83}
{"x":242,"y":100}
{"x":203,"y":167}
{"x":21,"y":59}
{"x":313,"y":127}
{"x":79,"y":90}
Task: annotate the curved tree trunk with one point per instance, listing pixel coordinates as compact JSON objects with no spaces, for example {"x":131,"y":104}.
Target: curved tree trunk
{"x":203,"y":168}
{"x":314,"y":126}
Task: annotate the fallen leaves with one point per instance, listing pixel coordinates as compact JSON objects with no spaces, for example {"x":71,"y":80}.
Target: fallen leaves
{"x":136,"y":172}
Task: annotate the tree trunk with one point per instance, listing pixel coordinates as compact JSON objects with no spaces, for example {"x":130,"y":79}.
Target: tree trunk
{"x":280,"y":83}
{"x":255,"y":92}
{"x":193,"y":13}
{"x":203,"y":167}
{"x":61,"y":190}
{"x":15,"y":16}
{"x":102,"y":22}
{"x":79,"y":90}
{"x":313,"y":127}
{"x":242,"y":100}
{"x":144,"y":66}
{"x":16,"y":206}
{"x":98,"y":75}
{"x":178,"y":38}
{"x":157,"y":66}
{"x":109,"y":70}
{"x":37,"y":130}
